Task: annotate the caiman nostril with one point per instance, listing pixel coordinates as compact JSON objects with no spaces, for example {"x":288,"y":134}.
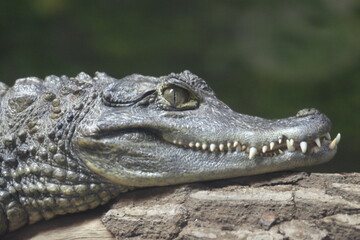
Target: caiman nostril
{"x":306,"y":112}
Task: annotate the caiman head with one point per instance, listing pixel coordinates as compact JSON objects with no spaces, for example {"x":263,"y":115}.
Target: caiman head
{"x":147,"y":131}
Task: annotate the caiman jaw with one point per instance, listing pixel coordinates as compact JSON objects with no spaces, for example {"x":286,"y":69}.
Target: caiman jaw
{"x":274,"y":148}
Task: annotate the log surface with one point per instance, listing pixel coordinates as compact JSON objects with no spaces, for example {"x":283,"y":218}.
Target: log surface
{"x":285,"y":205}
{"x":270,"y":206}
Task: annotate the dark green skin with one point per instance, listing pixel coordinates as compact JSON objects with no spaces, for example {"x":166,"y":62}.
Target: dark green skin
{"x":71,"y":144}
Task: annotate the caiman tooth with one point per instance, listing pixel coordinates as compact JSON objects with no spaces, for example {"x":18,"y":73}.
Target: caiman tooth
{"x":335,"y":141}
{"x":236,"y":143}
{"x":272,"y":145}
{"x":264,"y":149}
{"x":328,"y":136}
{"x":197,"y":145}
{"x":229,"y":146}
{"x":318,"y":142}
{"x":191,"y":144}
{"x":280,"y":140}
{"x":204,"y":146}
{"x":221,"y":147}
{"x":212,"y":147}
{"x":303,"y":146}
{"x":290,"y":145}
{"x":252,"y":152}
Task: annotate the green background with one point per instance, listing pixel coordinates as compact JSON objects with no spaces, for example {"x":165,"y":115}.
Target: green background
{"x":264,"y":58}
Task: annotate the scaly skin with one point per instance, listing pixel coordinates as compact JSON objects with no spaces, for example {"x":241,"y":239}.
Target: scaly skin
{"x":69,"y":145}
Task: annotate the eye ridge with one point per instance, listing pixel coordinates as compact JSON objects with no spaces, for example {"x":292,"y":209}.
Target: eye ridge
{"x":114,"y":101}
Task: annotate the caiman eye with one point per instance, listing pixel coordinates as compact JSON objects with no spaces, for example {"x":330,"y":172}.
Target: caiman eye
{"x":179,"y":98}
{"x":176,"y":96}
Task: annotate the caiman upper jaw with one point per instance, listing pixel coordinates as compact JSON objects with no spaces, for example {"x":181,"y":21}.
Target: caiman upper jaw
{"x":292,"y":139}
{"x":284,"y":140}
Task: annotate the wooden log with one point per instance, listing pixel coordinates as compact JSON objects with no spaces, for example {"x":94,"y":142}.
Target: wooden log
{"x":285,"y":205}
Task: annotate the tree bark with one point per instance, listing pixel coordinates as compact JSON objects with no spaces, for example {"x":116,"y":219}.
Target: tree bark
{"x":284,"y":205}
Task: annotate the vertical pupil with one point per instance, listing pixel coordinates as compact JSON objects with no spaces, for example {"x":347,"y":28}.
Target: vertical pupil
{"x":172,"y":97}
{"x":173,"y":94}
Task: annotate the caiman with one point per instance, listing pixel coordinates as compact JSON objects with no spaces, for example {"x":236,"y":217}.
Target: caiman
{"x":72,"y":144}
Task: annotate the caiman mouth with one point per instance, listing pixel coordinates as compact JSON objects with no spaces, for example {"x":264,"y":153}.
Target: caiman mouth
{"x":272,"y":149}
{"x":317,"y":142}
{"x":282,"y":145}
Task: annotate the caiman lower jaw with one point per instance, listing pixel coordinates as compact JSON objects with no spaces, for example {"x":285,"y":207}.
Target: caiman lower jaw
{"x":271,"y":149}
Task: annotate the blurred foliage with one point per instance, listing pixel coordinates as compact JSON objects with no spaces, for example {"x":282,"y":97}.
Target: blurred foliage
{"x":262,"y":58}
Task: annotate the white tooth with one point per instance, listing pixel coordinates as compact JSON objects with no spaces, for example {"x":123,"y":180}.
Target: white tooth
{"x":303,"y":146}
{"x":338,"y":137}
{"x":252,"y":152}
{"x":280,"y":140}
{"x":290,"y":145}
{"x":238,"y":148}
{"x":328,"y":136}
{"x":191,"y":144}
{"x":318,"y":142}
{"x":175,"y":142}
{"x":243,"y":148}
{"x":335,"y":141}
{"x":221,"y":147}
{"x":264,"y":148}
{"x":332,"y":144}
{"x":229,"y":146}
{"x":272,"y":145}
{"x":204,"y":146}
{"x":197,"y":145}
{"x":236,"y":143}
{"x":180,"y":142}
{"x":212,"y":147}
{"x":280,"y":151}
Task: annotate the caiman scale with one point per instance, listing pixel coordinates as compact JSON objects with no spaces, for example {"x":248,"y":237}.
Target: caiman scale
{"x":71,"y":144}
